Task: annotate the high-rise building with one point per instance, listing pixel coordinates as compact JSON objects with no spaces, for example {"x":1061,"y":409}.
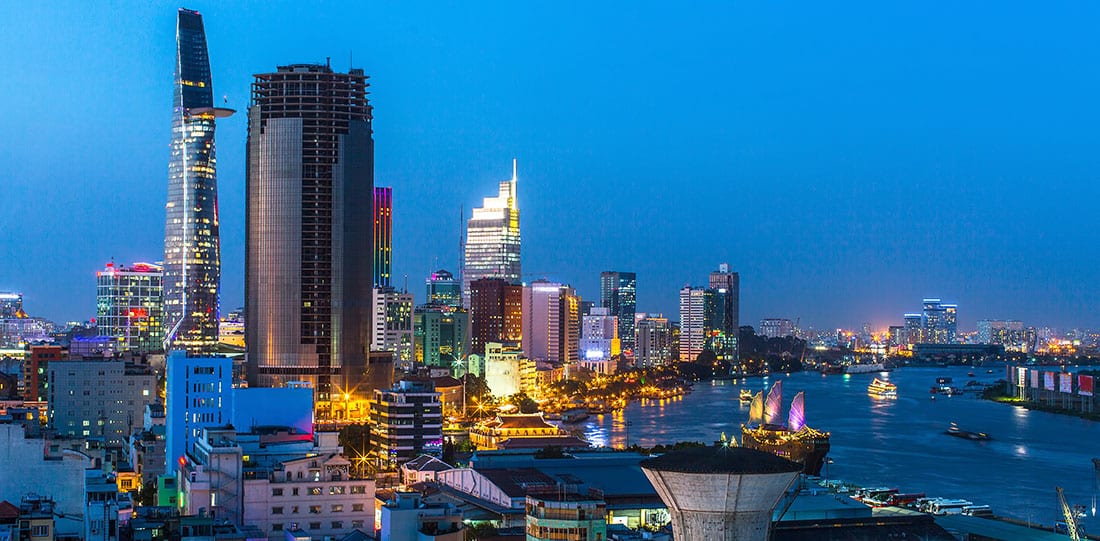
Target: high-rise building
{"x":383,"y":236}
{"x":393,"y":324}
{"x":128,"y":306}
{"x":192,"y":253}
{"x":443,"y":289}
{"x":725,"y":324}
{"x":551,"y":322}
{"x":693,"y":337}
{"x":599,"y":335}
{"x":939,"y":322}
{"x":199,"y":394}
{"x":11,"y":306}
{"x":407,"y":422}
{"x":618,"y":293}
{"x":493,"y":240}
{"x":654,"y":342}
{"x":309,"y":247}
{"x":776,"y":327}
{"x":496,"y":313}
{"x":99,"y":398}
{"x":439,"y":335}
{"x":35,"y":371}
{"x":914,"y":329}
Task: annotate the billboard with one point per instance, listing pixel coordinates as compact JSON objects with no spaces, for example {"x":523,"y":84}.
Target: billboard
{"x":1084,"y":385}
{"x":1066,"y":383}
{"x":1048,"y":381}
{"x":1034,"y":378}
{"x":1021,"y":377}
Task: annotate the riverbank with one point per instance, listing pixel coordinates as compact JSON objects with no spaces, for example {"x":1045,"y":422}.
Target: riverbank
{"x":997,"y":394}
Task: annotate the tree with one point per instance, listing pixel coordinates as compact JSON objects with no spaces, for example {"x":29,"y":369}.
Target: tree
{"x":524,"y":403}
{"x":476,"y":387}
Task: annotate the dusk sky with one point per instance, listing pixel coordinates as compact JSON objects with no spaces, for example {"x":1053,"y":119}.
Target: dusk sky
{"x":847,"y":159}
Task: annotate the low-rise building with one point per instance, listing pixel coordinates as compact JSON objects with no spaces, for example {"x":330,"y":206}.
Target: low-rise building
{"x":99,"y":398}
{"x":521,"y":431}
{"x":407,"y":518}
{"x":553,"y":516}
{"x":408,"y":422}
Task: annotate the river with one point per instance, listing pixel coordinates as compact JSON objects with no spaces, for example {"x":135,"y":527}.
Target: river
{"x":900,"y":443}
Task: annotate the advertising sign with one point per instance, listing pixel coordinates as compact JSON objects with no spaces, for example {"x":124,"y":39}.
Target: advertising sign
{"x":1066,"y":383}
{"x":1048,"y":381}
{"x":1084,"y":385}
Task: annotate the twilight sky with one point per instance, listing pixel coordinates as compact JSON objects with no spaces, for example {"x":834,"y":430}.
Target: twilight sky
{"x":847,"y":159}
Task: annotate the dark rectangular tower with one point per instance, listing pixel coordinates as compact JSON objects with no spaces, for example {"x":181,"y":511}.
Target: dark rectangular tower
{"x":383,"y":236}
{"x":309,"y":242}
{"x":618,"y":292}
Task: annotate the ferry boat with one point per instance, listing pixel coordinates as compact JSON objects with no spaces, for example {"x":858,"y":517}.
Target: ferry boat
{"x":957,"y":432}
{"x":574,"y":415}
{"x":882,"y":389}
{"x":793,"y":441}
{"x":745,"y":396}
{"x":865,"y":368}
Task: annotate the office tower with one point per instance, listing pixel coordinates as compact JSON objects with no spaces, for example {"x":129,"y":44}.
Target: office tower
{"x":443,"y":289}
{"x":199,"y":393}
{"x":407,"y":421}
{"x":35,"y":371}
{"x":309,"y":244}
{"x":914,"y":329}
{"x":599,"y":335}
{"x":383,"y":236}
{"x":550,"y":322}
{"x":725,"y":325}
{"x":439,"y":335}
{"x":776,"y":327}
{"x":128,"y":306}
{"x":496,"y":313}
{"x":693,"y":337}
{"x":618,"y":293}
{"x":11,"y":306}
{"x":895,"y":335}
{"x":99,"y":398}
{"x":192,"y":256}
{"x":939,"y":322}
{"x":654,"y":342}
{"x":493,"y":240}
{"x":393,"y":324}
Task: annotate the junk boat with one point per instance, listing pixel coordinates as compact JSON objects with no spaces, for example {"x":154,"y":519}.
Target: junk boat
{"x":882,"y":389}
{"x":794,"y":440}
{"x":745,"y":396}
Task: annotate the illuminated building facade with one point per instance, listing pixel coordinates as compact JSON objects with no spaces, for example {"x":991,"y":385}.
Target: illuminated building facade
{"x":439,"y":335}
{"x":618,"y":293}
{"x":551,"y":322}
{"x":939,"y":322}
{"x":383,"y":236}
{"x":11,"y":306}
{"x":493,"y":240}
{"x":724,"y":320}
{"x":693,"y":301}
{"x":776,"y":327}
{"x":407,"y":421}
{"x":599,"y":335}
{"x":192,"y":256}
{"x":913,"y":329}
{"x":443,"y":289}
{"x":496,"y":313}
{"x":393,"y":324}
{"x":309,"y":252}
{"x":654,"y":342}
{"x":128,"y":306}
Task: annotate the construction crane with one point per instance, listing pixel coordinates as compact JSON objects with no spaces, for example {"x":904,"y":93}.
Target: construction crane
{"x":1070,"y":516}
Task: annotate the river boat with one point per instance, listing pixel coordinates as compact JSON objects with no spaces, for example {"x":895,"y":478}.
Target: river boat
{"x":793,"y":440}
{"x":574,"y":415}
{"x":943,"y":380}
{"x":832,"y":369}
{"x":882,"y":389}
{"x":969,"y":374}
{"x":865,"y":368}
{"x":957,"y":432}
{"x":745,"y":396}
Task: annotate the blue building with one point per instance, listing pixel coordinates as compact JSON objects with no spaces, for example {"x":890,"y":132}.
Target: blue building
{"x":199,"y":395}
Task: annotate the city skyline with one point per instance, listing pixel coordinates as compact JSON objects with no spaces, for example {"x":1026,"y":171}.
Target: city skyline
{"x":825,"y":244}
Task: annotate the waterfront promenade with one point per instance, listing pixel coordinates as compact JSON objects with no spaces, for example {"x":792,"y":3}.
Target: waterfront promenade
{"x":900,"y":443}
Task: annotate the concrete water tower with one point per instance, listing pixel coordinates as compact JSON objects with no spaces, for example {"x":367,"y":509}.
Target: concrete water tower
{"x":720,"y":493}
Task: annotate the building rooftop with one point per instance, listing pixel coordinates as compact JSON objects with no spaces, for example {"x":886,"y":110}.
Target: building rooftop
{"x":721,"y":460}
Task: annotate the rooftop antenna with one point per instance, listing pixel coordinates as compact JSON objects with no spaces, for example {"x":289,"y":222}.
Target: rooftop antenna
{"x":406,"y":283}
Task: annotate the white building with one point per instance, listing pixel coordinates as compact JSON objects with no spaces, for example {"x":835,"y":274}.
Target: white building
{"x":393,"y":324}
{"x":551,"y":316}
{"x":503,"y":370}
{"x":654,"y":343}
{"x":692,"y":322}
{"x":776,"y":327}
{"x":599,"y":335}
{"x":407,"y":518}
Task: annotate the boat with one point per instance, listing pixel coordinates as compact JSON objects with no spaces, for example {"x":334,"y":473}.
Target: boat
{"x":882,"y":389}
{"x":969,"y":374}
{"x":574,"y":415}
{"x":745,"y":396}
{"x":793,"y":440}
{"x":954,"y":430}
{"x":865,"y":368}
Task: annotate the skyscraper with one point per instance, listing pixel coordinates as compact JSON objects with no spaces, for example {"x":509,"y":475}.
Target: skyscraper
{"x":443,"y":289}
{"x":693,"y":302}
{"x":308,"y":259}
{"x":393,"y":325}
{"x":496,"y":313}
{"x":128,"y":306}
{"x":192,"y":256}
{"x":618,"y":293}
{"x":551,"y":322}
{"x":383,"y":236}
{"x":493,"y":240}
{"x":654,"y":342}
{"x":725,"y":320}
{"x":939,"y":322}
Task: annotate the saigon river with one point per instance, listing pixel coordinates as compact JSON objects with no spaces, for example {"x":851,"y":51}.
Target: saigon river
{"x":899,"y":443}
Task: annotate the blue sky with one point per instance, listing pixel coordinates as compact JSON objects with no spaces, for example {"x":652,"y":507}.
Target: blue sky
{"x":847,"y":159}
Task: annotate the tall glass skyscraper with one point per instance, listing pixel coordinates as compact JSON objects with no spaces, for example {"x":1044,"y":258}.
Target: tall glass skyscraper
{"x":192,"y":257}
{"x":618,"y":292}
{"x":128,"y":306}
{"x":492,"y":239}
{"x":383,"y":236}
{"x":309,"y":246}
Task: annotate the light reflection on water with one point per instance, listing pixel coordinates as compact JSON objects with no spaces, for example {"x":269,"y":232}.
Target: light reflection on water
{"x":898,"y":442}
